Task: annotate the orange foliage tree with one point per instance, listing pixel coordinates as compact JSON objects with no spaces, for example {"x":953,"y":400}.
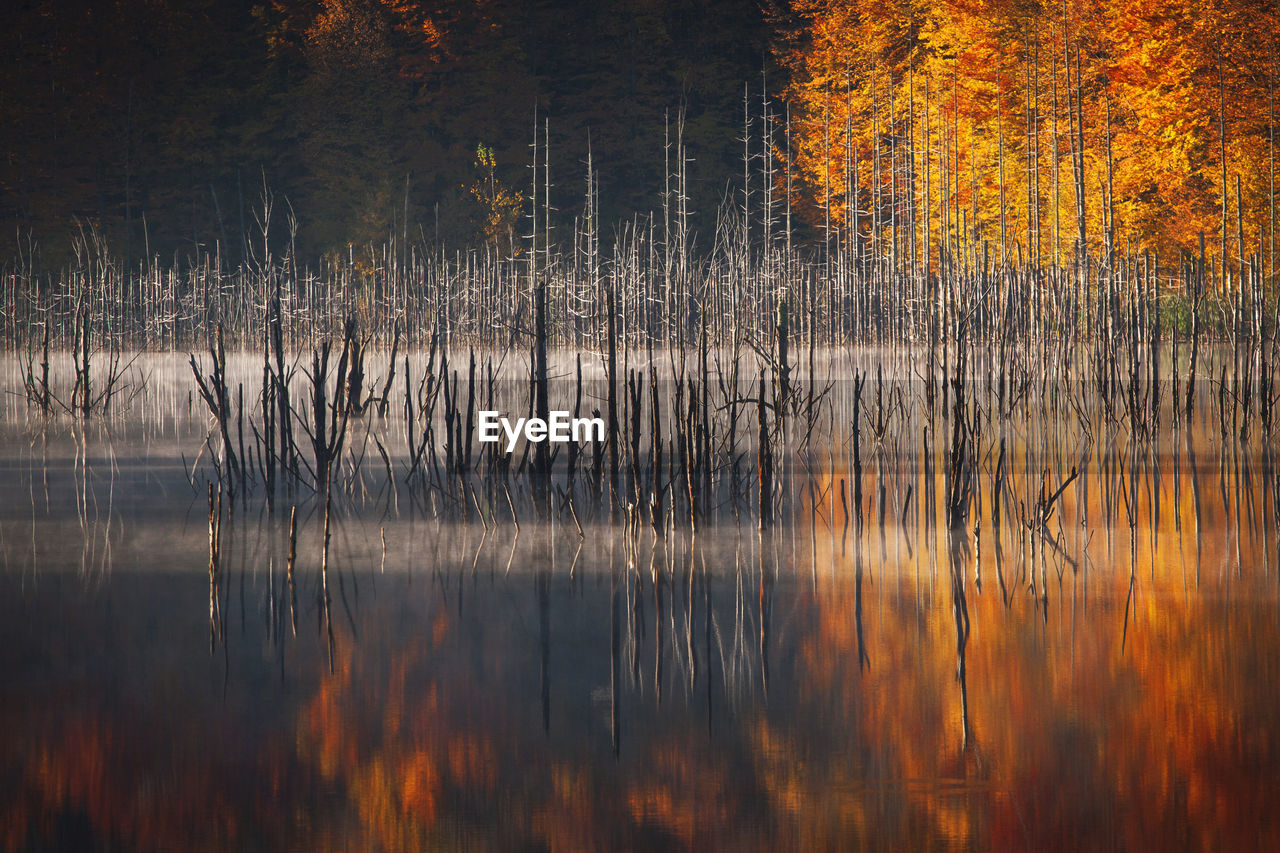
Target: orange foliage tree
{"x":922,"y":126}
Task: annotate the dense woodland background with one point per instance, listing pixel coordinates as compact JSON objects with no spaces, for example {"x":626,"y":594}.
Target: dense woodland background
{"x":1026,"y":123}
{"x":178,"y":111}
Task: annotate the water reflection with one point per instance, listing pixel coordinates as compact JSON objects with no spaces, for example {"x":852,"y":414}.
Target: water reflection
{"x":717,"y":694}
{"x":1098,"y":674}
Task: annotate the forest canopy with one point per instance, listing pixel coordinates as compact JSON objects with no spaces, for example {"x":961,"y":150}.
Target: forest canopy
{"x":161,"y":123}
{"x":1030,"y":125}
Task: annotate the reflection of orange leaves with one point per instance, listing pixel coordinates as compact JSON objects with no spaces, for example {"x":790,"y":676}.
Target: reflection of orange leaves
{"x":1084,"y":737}
{"x":471,"y":762}
{"x":440,"y":628}
{"x":324,"y":718}
{"x":679,"y":795}
{"x":395,"y":799}
{"x":421,"y":785}
{"x":79,"y":762}
{"x":575,"y":815}
{"x":399,"y":743}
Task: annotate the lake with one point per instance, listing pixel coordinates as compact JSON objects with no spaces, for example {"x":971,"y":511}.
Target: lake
{"x":499,"y":678}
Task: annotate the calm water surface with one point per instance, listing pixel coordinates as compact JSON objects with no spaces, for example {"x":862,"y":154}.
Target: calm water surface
{"x":495,"y":689}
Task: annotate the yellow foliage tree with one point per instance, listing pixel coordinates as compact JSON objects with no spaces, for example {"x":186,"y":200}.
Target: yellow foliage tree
{"x":1025,"y":125}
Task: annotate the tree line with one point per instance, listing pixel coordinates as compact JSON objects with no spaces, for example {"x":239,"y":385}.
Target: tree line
{"x":1040,"y":130}
{"x":159,"y":122}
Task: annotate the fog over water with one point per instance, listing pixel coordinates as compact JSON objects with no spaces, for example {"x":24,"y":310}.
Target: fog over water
{"x":482,"y":674}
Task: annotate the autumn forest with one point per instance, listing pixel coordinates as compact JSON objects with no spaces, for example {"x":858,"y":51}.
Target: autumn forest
{"x":927,"y":355}
{"x":1034,"y":126}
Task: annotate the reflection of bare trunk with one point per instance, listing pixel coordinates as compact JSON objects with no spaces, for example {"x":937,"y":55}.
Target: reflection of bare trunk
{"x":1193,"y":471}
{"x":659,"y":609}
{"x":215,"y":558}
{"x":615,"y":663}
{"x":844,"y":511}
{"x":543,"y":584}
{"x":689,"y":613}
{"x":1270,"y":456}
{"x":293,"y":552}
{"x":636,"y":626}
{"x":1153,"y":495}
{"x":324,"y":575}
{"x":766,"y":605}
{"x":996,"y":500}
{"x":960,"y":609}
{"x":1128,"y":604}
{"x":863,"y":658}
{"x":764,"y":458}
{"x":706,"y":640}
{"x":999,"y":552}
